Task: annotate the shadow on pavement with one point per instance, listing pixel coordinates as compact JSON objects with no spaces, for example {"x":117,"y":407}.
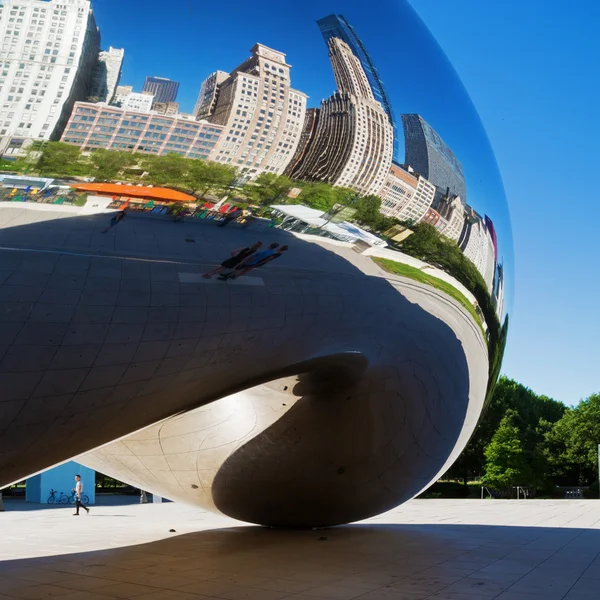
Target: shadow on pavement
{"x":358,"y":561}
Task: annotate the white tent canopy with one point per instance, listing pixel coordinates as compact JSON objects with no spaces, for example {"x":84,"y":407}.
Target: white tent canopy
{"x":347,"y":232}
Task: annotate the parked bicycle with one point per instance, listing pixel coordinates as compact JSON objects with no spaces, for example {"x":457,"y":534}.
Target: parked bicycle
{"x":71,"y":499}
{"x":54,"y":499}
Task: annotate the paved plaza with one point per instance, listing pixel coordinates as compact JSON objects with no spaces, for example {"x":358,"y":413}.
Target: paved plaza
{"x":443,"y":549}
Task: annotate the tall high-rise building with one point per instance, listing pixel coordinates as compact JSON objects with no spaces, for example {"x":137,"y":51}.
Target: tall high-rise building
{"x":209,"y":92}
{"x":429,"y":155}
{"x":164,"y":90}
{"x":336,"y":26}
{"x":48,"y":50}
{"x":107,"y":75}
{"x":353,"y":144}
{"x":262,"y":115}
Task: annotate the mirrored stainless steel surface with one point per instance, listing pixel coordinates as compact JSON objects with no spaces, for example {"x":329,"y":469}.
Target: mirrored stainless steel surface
{"x":328,"y":383}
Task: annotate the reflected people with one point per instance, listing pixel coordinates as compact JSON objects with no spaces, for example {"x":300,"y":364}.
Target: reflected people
{"x":316,"y":390}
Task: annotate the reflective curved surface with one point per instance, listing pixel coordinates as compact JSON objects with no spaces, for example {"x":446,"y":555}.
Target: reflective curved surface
{"x":324,"y":385}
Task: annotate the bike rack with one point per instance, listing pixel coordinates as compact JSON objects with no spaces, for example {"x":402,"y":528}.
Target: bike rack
{"x":490,"y":495}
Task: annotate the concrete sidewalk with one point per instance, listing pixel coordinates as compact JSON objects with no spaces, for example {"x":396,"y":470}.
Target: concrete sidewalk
{"x":443,"y":549}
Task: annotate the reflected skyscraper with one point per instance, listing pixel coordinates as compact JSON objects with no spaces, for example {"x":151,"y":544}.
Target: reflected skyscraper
{"x":209,"y":93}
{"x":164,"y":90}
{"x":353,"y":143}
{"x":261,"y":113}
{"x":336,"y":26}
{"x":107,"y":75}
{"x":430,"y":156}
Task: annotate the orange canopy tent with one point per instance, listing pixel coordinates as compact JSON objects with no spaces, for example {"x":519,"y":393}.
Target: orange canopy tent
{"x":135,"y":191}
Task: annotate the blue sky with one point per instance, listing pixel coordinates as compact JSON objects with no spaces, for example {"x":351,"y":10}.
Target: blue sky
{"x":529,"y":73}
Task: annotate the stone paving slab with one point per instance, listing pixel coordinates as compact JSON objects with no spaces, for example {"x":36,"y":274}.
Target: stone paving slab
{"x":439,"y":549}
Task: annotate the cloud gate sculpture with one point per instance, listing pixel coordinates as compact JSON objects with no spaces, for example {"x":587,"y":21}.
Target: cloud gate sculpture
{"x":324,"y":387}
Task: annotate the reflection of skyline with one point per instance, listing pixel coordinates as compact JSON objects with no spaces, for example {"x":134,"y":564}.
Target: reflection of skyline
{"x":411,"y":93}
{"x":348,"y":141}
{"x":337,"y":26}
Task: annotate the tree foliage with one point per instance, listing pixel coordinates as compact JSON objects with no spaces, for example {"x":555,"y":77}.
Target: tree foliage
{"x":268,"y":188}
{"x":109,"y":164}
{"x":505,"y":457}
{"x":318,"y":195}
{"x":204,"y":177}
{"x":572,"y":443}
{"x":532,"y":415}
{"x":167,"y":169}
{"x":59,"y":160}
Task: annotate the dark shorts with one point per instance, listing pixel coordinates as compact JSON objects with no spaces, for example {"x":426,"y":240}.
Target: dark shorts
{"x":232,"y":262}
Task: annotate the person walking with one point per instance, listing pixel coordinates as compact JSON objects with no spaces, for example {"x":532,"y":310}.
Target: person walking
{"x":115,"y":220}
{"x":78,"y":491}
{"x":237,"y":258}
{"x":257,"y":260}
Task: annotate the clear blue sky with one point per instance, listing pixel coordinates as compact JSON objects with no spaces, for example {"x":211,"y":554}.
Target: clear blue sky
{"x":530,"y":67}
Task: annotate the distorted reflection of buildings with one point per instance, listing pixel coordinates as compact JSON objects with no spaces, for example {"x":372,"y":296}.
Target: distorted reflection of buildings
{"x":94,"y":126}
{"x":449,"y":219}
{"x":121,"y":94}
{"x":138,"y":102}
{"x":428,"y":155}
{"x":107,"y":75}
{"x":163,"y":89}
{"x":477,"y":243}
{"x":309,"y":130}
{"x":405,"y":196}
{"x":498,"y":291}
{"x":336,"y":26}
{"x":28,"y":112}
{"x":209,"y":92}
{"x":353,"y":142}
{"x":166,"y":108}
{"x":261,"y":113}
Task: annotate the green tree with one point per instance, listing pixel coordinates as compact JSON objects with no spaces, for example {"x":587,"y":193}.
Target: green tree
{"x":318,"y":195}
{"x":572,"y":443}
{"x":109,"y":163}
{"x":206,"y":176}
{"x":60,"y":159}
{"x":267,"y":188}
{"x":534,"y":415}
{"x":368,"y":211}
{"x":168,"y":169}
{"x":505,"y":458}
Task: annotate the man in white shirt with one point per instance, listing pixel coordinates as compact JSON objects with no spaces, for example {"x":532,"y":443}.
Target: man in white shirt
{"x":78,"y":492}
